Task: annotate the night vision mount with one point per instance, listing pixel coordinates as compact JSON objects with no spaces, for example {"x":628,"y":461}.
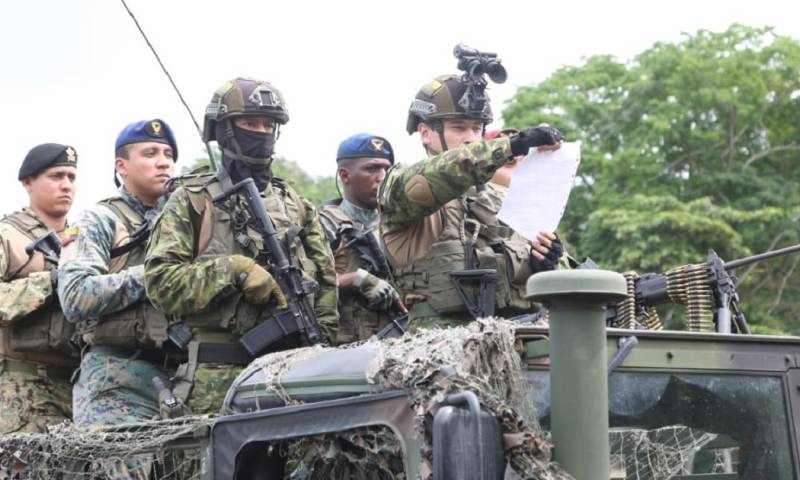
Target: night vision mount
{"x":475,"y":64}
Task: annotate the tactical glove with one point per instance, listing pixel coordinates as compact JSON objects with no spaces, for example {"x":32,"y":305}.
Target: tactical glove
{"x":258,"y":285}
{"x":534,"y":137}
{"x":379,"y":294}
{"x":550,"y":261}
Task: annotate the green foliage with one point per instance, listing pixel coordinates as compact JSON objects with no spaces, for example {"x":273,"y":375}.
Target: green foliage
{"x":690,"y":146}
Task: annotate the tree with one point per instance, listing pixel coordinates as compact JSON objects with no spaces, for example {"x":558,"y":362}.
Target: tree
{"x":690,"y":146}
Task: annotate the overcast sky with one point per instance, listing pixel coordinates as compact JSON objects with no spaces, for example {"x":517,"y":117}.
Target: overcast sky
{"x":77,"y":71}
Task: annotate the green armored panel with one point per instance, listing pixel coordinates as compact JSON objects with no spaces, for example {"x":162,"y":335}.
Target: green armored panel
{"x":578,"y":285}
{"x":324,"y":376}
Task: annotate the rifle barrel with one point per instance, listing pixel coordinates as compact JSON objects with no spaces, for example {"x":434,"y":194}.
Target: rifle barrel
{"x":761,"y":256}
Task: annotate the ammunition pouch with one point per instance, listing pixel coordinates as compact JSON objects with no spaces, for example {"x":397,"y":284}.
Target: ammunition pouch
{"x":43,"y":331}
{"x":138,"y":326}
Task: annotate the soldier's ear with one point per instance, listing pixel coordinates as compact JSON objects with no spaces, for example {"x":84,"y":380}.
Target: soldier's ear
{"x":27,"y":183}
{"x":344,"y":175}
{"x":425,"y":133}
{"x":121,"y":167}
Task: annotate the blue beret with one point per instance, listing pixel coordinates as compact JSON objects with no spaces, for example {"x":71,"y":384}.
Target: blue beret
{"x":155,"y":130}
{"x":363,"y":145}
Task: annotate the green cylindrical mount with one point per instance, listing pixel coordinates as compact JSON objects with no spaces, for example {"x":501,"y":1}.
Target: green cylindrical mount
{"x":578,"y":378}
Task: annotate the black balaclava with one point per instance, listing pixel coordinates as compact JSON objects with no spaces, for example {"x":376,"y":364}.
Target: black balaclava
{"x":246,"y":154}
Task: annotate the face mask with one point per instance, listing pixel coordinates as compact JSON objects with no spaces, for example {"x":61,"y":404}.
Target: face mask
{"x":255,"y":144}
{"x":239,"y":170}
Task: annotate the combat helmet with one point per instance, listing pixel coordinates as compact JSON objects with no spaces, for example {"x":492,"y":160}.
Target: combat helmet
{"x":445,"y":96}
{"x":241,"y":97}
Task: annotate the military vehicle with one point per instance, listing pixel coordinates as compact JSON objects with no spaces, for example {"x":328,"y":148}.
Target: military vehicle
{"x":681,"y":405}
{"x":620,"y":404}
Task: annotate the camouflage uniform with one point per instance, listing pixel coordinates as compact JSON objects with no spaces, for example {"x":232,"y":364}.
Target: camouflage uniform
{"x":189,"y":269}
{"x":34,"y":376}
{"x":438,"y":216}
{"x":345,"y":222}
{"x":431,"y":212}
{"x":98,"y":291}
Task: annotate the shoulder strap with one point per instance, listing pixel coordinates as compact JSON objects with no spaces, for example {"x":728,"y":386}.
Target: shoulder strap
{"x":333,"y":220}
{"x":134,"y":223}
{"x":296,"y":198}
{"x":26,"y":224}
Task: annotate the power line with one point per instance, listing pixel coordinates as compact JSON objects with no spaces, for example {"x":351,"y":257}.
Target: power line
{"x":171,"y":81}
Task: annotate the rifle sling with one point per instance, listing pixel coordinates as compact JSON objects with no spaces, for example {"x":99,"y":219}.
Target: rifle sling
{"x":137,"y":238}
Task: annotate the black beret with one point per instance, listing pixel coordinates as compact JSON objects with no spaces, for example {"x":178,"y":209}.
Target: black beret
{"x":45,"y":156}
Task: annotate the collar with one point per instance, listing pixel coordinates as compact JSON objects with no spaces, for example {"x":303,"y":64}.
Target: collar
{"x":368,"y":218}
{"x":29,"y":212}
{"x":135,"y":203}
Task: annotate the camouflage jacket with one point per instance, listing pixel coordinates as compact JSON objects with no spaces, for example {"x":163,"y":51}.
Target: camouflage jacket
{"x":411,"y":194}
{"x":88,"y":284}
{"x":25,"y":286}
{"x":189,"y":268}
{"x":434,"y":221}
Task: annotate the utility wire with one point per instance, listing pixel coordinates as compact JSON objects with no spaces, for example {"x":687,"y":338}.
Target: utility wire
{"x":171,"y":81}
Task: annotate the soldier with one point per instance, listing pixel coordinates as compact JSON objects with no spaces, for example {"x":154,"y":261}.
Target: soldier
{"x":367,"y":301}
{"x":439,"y":215}
{"x":36,"y":356}
{"x":200,"y":259}
{"x":101,"y":285}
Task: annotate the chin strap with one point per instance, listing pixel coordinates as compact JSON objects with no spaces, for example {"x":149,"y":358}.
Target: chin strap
{"x":438,"y":126}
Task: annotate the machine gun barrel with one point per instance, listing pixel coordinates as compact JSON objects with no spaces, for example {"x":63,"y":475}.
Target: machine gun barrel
{"x":761,"y":256}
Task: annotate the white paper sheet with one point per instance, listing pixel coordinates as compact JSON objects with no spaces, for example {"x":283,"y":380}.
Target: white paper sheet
{"x":539,"y":190}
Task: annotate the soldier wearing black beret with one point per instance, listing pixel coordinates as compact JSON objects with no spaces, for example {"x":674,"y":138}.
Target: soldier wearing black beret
{"x":35,"y":390}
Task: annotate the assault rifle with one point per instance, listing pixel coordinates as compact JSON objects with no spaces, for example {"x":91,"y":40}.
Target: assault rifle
{"x":653,"y":289}
{"x":299,"y":318}
{"x":48,"y":244}
{"x":369,"y":252}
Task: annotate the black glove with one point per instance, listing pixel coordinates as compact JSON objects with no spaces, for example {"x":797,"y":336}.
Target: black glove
{"x":534,"y":137}
{"x":550,"y":261}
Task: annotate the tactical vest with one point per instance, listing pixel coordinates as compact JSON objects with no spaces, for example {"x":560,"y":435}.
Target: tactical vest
{"x":495,"y":246}
{"x":220,"y":229}
{"x":44,"y":335}
{"x":356,"y":321}
{"x":140,"y":325}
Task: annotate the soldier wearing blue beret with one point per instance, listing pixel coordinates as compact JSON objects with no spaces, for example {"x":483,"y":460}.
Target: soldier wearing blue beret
{"x":101,"y":285}
{"x":367,"y":299}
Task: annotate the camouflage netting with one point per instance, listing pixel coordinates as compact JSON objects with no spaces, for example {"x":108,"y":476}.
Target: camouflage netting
{"x":124,"y":452}
{"x":432,"y":364}
{"x":655,"y":454}
{"x":481,"y":358}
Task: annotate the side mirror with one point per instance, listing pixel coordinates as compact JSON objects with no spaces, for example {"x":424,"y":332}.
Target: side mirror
{"x":467,"y":442}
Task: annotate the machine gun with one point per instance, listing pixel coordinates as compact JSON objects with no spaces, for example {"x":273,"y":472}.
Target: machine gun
{"x":707,"y":289}
{"x":299,"y":318}
{"x":475,"y":64}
